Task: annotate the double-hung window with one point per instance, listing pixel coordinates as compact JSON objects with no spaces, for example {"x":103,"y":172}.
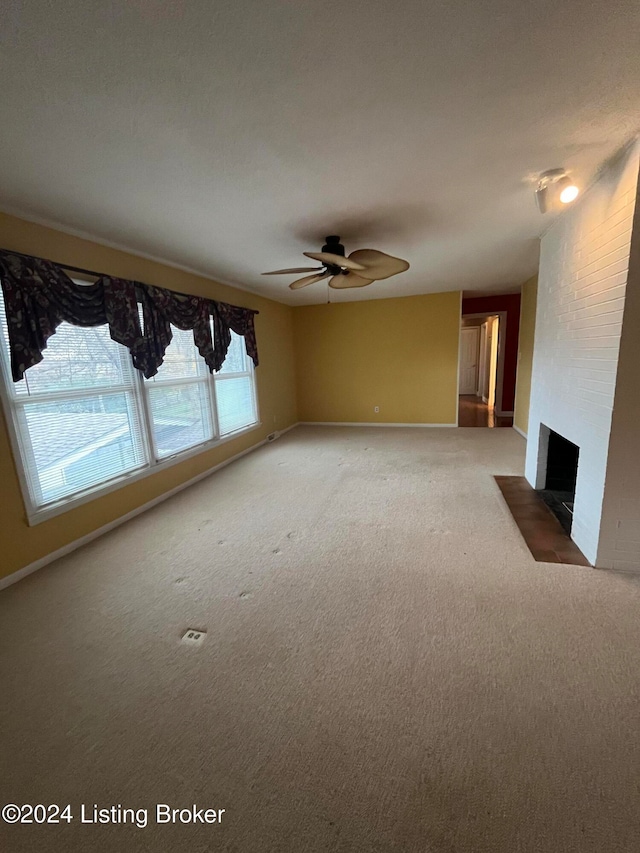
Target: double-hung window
{"x":235,"y":389}
{"x":179,"y":398}
{"x":84,"y":419}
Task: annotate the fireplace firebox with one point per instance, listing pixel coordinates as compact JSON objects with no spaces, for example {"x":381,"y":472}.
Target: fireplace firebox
{"x":561,"y":475}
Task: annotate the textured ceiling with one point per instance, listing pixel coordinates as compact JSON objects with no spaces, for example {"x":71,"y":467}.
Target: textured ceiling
{"x":230,"y":136}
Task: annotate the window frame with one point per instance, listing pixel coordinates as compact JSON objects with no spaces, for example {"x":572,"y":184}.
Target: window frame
{"x":21,"y":447}
{"x":202,"y":377}
{"x":221,"y":376}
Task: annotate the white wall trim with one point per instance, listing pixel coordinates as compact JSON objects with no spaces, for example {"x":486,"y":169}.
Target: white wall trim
{"x":520,"y":432}
{"x":286,"y":429}
{"x":14,"y":577}
{"x":363,"y":424}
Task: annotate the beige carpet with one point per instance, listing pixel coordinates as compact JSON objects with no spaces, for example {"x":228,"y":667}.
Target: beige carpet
{"x":386,"y":667}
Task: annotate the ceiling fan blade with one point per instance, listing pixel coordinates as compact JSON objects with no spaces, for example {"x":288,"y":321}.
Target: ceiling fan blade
{"x":293,"y":269}
{"x":308,"y":279}
{"x":352,"y":279}
{"x":334,"y":260}
{"x":378,"y":265}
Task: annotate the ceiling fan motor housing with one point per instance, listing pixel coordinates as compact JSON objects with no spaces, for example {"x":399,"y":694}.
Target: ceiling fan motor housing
{"x":333,"y":246}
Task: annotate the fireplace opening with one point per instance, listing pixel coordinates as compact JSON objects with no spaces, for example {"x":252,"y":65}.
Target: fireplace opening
{"x":560,"y":483}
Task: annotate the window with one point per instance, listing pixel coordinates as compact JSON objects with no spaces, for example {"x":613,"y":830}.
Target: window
{"x":235,"y":390}
{"x":84,"y":418}
{"x":77,"y":417}
{"x":179,"y":398}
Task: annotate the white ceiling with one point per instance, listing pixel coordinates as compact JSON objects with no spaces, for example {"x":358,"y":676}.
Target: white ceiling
{"x":230,"y":136}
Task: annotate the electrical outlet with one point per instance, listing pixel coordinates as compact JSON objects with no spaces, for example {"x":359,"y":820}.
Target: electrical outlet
{"x":194,"y":637}
{"x":376,"y":409}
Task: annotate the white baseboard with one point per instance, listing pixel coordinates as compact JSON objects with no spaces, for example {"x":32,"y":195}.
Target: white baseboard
{"x":281,"y":432}
{"x":362,"y":424}
{"x":89,"y":537}
{"x":520,"y":432}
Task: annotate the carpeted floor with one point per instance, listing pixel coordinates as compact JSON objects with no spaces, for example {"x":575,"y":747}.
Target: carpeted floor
{"x":386,"y":666}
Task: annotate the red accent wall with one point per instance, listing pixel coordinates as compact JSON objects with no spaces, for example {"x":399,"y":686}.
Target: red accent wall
{"x":490,"y":305}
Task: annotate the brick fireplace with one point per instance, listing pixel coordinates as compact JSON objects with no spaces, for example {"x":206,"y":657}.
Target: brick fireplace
{"x":589,"y":266}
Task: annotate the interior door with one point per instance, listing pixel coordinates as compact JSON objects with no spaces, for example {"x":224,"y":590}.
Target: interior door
{"x":469,"y":360}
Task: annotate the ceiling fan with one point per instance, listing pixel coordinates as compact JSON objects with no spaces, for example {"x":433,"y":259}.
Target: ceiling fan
{"x":359,"y":269}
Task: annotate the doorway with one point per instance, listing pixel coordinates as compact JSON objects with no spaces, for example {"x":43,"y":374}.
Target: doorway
{"x":481,"y":367}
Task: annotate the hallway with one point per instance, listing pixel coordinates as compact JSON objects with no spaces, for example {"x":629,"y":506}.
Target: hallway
{"x":472,"y":412}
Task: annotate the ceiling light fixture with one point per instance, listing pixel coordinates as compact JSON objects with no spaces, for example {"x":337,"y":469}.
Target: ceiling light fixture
{"x":568,"y":190}
{"x":555,"y":185}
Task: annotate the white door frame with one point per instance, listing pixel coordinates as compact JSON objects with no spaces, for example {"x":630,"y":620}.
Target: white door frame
{"x":502,"y":338}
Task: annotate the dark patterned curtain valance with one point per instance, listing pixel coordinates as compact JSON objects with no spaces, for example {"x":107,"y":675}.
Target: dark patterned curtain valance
{"x":39,"y":295}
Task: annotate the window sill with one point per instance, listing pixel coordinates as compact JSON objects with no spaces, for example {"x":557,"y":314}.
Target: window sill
{"x":37,"y":516}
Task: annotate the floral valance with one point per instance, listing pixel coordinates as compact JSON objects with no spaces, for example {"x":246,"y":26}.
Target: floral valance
{"x":39,"y":295}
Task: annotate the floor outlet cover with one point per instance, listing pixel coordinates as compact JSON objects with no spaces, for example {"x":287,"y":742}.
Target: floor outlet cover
{"x":194,"y":637}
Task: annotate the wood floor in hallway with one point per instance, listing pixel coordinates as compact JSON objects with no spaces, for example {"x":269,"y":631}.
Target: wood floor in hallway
{"x":472,"y":412}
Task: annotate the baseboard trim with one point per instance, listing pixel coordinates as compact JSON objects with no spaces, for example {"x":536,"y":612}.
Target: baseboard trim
{"x":18,"y":575}
{"x":281,"y":432}
{"x":501,"y":414}
{"x":363,"y":424}
{"x":520,"y":432}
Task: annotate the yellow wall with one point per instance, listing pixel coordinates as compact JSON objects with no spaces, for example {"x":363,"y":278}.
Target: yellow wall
{"x":525,"y":352}
{"x":398,"y":354}
{"x":20,"y":544}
